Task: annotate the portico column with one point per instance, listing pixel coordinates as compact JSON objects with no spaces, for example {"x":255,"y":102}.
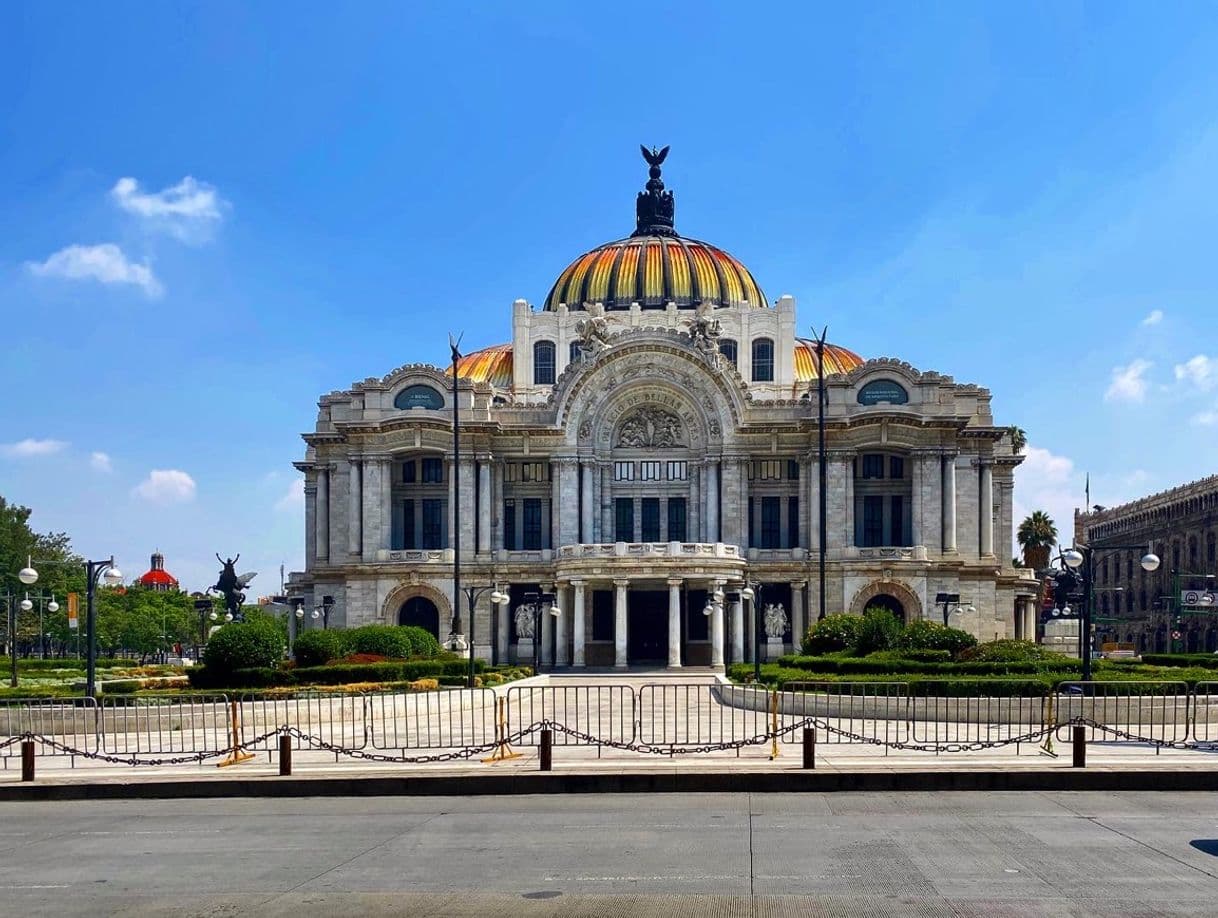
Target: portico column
{"x":547,"y":631}
{"x":915,"y":515}
{"x":504,"y":628}
{"x":485,"y":503}
{"x":797,"y":615}
{"x":587,"y":506}
{"x":563,"y":656}
{"x":322,"y":517}
{"x":1029,"y":620}
{"x":496,"y":499}
{"x":737,"y":612}
{"x":674,"y":623}
{"x":711,"y":490}
{"x":987,"y":508}
{"x":619,"y":623}
{"x":577,"y":623}
{"x":354,"y":507}
{"x":716,"y":630}
{"x":949,"y":503}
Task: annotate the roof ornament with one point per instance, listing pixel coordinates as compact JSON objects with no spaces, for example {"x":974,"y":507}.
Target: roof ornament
{"x":654,"y":207}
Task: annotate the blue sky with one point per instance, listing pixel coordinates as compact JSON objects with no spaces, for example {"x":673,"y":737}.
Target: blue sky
{"x":215,"y":212}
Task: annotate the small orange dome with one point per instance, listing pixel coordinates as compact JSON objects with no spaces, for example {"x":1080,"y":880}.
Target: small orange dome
{"x":837,"y":360}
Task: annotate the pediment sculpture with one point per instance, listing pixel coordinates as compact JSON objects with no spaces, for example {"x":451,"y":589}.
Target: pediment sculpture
{"x":651,"y":427}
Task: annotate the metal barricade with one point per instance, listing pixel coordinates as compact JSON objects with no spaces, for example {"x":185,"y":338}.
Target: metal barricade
{"x":975,"y":717}
{"x":336,"y":718}
{"x":169,"y":725}
{"x":704,"y":714}
{"x":71,"y":723}
{"x":598,"y":713}
{"x":1130,"y":712}
{"x":856,"y":712}
{"x":1203,"y":712}
{"x":447,"y":719}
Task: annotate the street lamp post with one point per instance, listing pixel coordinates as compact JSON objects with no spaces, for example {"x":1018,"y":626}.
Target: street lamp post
{"x":322,"y":612}
{"x":540,"y":603}
{"x":456,"y":633}
{"x":753,"y":593}
{"x":951,"y":604}
{"x":27,"y":605}
{"x":822,"y":476}
{"x":94,"y":571}
{"x":1083,"y":556}
{"x":203,"y":606}
{"x":472,"y":594}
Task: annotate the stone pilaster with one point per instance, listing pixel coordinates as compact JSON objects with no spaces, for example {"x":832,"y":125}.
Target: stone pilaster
{"x":607,"y":534}
{"x":674,"y":623}
{"x":354,"y":506}
{"x":693,"y":520}
{"x":716,"y":630}
{"x":619,"y":622}
{"x":486,"y":502}
{"x":737,"y":616}
{"x":916,"y":463}
{"x":578,"y":623}
{"x":310,"y":496}
{"x":587,"y":500}
{"x":711,"y":497}
{"x":568,"y":501}
{"x":733,"y":518}
{"x":497,"y":507}
{"x":949,"y":503}
{"x":322,"y":518}
{"x":985,"y":511}
{"x":798,"y":618}
{"x":371,"y":497}
{"x":563,"y":654}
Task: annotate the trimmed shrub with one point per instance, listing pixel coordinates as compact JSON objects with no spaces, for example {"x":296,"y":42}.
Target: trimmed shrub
{"x":1204,"y":660}
{"x":878,"y":630}
{"x":424,"y":685}
{"x":244,"y":645}
{"x":832,"y":634}
{"x":395,"y":642}
{"x":318,"y":647}
{"x":927,"y":635}
{"x":121,"y":687}
{"x":422,"y":642}
{"x":1012,"y":651}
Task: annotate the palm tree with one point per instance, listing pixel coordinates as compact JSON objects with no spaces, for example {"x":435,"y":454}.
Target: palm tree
{"x":1019,"y":439}
{"x":1037,"y":534}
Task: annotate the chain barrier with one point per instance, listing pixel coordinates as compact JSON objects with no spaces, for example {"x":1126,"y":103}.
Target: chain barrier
{"x":1194,"y":745}
{"x":192,"y":758}
{"x":454,"y":755}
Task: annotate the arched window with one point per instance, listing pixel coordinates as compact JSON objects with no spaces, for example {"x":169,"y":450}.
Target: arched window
{"x":727,"y":347}
{"x":543,"y":363}
{"x":576,"y":353}
{"x":420,"y":612}
{"x":763,"y":360}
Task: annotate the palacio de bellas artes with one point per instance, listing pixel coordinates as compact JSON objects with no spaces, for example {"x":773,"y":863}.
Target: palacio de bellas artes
{"x":644,"y":462}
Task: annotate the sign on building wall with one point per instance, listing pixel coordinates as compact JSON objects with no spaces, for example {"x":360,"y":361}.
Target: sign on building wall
{"x":1198,"y":598}
{"x":883,"y":391}
{"x":419,"y":397}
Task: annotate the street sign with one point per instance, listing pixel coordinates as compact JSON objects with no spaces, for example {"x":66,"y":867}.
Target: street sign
{"x":73,"y":611}
{"x":1198,"y":598}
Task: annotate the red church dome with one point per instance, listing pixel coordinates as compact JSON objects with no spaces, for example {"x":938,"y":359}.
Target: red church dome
{"x":157,"y":577}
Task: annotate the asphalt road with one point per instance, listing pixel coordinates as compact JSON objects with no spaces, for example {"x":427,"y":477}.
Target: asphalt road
{"x":732,"y":854}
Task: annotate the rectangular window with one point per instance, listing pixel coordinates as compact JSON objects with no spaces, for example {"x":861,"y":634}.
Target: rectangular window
{"x":896,"y":519}
{"x":896,"y":467}
{"x":873,"y":521}
{"x":623,"y":471}
{"x":602,"y":615}
{"x":511,"y":471}
{"x":649,"y":471}
{"x":793,"y":522}
{"x":651,"y":520}
{"x":676,"y":519}
{"x":408,"y":472}
{"x":433,"y":523}
{"x":771,"y":522}
{"x":408,"y":530}
{"x":873,"y":466}
{"x":623,"y":519}
{"x":792,"y":470}
{"x":509,"y":525}
{"x":433,"y":470}
{"x":767,"y":469}
{"x":532,"y":524}
{"x":678,"y":471}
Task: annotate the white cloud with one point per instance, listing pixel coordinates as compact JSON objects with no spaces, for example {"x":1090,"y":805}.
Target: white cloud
{"x":1207,"y":418}
{"x":1201,"y":371}
{"x":101,"y":462}
{"x":1154,"y":318}
{"x":104,"y":263}
{"x":187,"y":210}
{"x":27,"y":448}
{"x":1128,"y":382}
{"x":293,"y":500}
{"x":166,"y":486}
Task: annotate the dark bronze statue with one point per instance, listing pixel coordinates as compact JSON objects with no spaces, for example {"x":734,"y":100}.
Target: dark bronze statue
{"x":654,"y":207}
{"x":232,"y":586}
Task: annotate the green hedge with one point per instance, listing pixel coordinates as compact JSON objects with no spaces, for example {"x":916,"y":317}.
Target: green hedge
{"x":243,"y":645}
{"x":1203,"y":660}
{"x":884,"y":665}
{"x":202,"y":677}
{"x":317,"y":648}
{"x":920,"y":686}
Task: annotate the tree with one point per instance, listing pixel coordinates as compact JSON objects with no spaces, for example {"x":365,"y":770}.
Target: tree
{"x":1019,"y":439}
{"x":1037,"y":534}
{"x":60,"y":570}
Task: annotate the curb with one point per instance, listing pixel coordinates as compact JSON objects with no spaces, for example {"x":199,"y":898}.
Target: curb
{"x":661,"y":782}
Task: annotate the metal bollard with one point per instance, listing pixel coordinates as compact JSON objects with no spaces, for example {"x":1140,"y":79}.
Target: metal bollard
{"x":27,"y":760}
{"x":809,"y":747}
{"x":1080,"y":747}
{"x":545,"y":749}
{"x":285,"y":754}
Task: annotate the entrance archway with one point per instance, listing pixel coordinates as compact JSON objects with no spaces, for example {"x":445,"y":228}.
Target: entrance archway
{"x":887,"y":603}
{"x":421,"y":612}
{"x":888,"y":594}
{"x":647,"y":627}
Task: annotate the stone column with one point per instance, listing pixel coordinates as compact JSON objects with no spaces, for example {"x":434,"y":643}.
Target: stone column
{"x":587,"y":506}
{"x":619,"y":623}
{"x":503,"y":631}
{"x":568,"y":502}
{"x":847,"y":466}
{"x":607,"y":534}
{"x":693,"y":513}
{"x":547,"y":633}
{"x":1029,"y":620}
{"x":987,"y":508}
{"x":737,"y":613}
{"x":577,"y":623}
{"x":372,"y":494}
{"x":674,"y":623}
{"x":485,"y":503}
{"x":733,"y":520}
{"x":716,"y":630}
{"x":742,"y":473}
{"x":915,"y":509}
{"x":310,"y":496}
{"x":798,"y":618}
{"x":949,"y":503}
{"x":497,"y":505}
{"x":711,"y":490}
{"x":468,"y":522}
{"x":450,"y":468}
{"x":563,"y":657}
{"x":322,"y":518}
{"x":355,"y":508}
{"x":555,"y":504}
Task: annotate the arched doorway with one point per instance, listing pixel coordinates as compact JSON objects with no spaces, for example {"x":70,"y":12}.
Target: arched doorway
{"x":421,"y":612}
{"x":887,"y":603}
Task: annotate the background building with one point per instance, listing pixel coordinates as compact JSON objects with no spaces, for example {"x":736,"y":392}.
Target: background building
{"x":1181,"y":527}
{"x":649,"y":434}
{"x":156,"y":577}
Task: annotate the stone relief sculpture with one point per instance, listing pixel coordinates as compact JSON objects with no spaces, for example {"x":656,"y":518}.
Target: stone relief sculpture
{"x":650,"y":428}
{"x":775,"y":620}
{"x":524,"y":618}
{"x":704,"y":331}
{"x":593,"y":329}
